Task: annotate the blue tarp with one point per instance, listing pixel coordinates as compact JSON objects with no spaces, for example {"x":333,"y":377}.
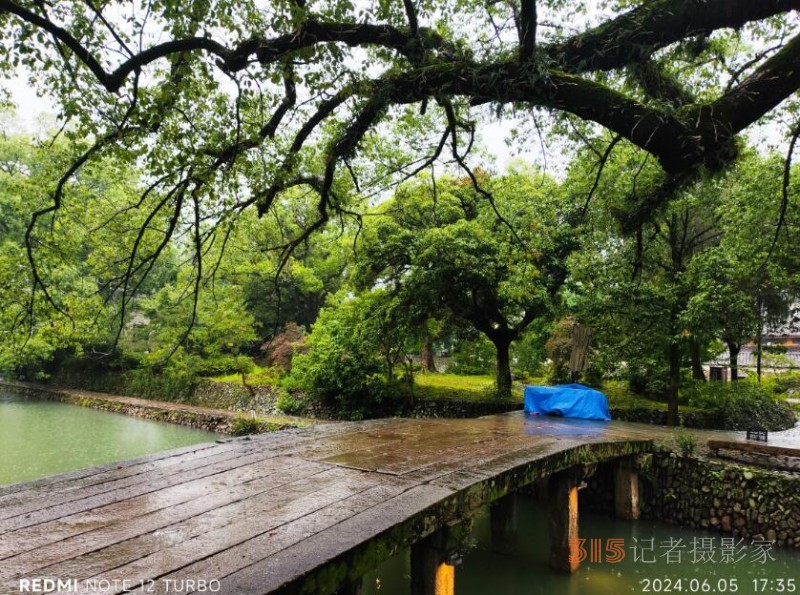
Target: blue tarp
{"x":567,"y":400}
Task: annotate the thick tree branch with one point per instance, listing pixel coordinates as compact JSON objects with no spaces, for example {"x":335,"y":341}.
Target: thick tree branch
{"x":527,"y":29}
{"x":774,"y":81}
{"x":635,"y":35}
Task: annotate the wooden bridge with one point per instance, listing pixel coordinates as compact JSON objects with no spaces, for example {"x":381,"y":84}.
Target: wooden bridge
{"x":300,"y":511}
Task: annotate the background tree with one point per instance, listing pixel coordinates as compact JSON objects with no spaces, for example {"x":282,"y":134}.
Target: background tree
{"x":445,"y":250}
{"x":690,"y":276}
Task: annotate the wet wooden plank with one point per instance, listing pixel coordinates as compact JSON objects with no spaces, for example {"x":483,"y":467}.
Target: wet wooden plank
{"x":754,"y":447}
{"x":266,"y":505}
{"x":322,"y":541}
{"x":180,"y":481}
{"x":62,"y":494}
{"x":15,"y":494}
{"x":276,"y":475}
{"x":342,"y":484}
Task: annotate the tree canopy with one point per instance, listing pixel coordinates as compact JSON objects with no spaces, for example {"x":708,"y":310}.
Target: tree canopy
{"x":227,"y":104}
{"x":444,"y":251}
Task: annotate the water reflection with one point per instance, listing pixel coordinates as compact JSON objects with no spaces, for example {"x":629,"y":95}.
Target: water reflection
{"x":40,"y":438}
{"x":526,"y":570}
{"x":564,"y":427}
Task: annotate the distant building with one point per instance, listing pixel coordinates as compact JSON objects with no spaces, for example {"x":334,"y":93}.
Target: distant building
{"x":780,"y":347}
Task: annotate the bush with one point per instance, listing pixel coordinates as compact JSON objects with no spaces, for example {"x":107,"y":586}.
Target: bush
{"x":649,"y":378}
{"x":593,"y":376}
{"x":242,"y":425}
{"x":291,"y":402}
{"x":687,"y":443}
{"x":784,"y":383}
{"x":741,"y":405}
{"x":342,"y":367}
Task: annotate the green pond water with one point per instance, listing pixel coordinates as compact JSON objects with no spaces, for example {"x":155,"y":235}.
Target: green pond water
{"x":39,"y":437}
{"x":718,"y":567}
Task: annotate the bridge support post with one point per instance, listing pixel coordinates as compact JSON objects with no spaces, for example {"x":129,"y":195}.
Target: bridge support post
{"x":503,"y":519}
{"x":626,"y":490}
{"x":433,"y":561}
{"x":563,"y":517}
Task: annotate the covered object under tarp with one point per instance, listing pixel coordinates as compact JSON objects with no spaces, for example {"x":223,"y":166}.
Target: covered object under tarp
{"x":567,"y":400}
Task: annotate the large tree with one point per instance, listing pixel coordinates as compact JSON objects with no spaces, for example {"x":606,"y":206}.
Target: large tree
{"x":445,"y":251}
{"x":228,"y":104}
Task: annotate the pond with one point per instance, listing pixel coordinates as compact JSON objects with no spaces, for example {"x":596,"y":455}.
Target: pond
{"x":675,"y":561}
{"x":40,"y":437}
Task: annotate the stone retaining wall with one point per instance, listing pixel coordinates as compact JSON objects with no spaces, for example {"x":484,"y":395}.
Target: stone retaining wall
{"x":202,"y":421}
{"x":654,"y":416}
{"x":733,"y":499}
{"x":433,"y":408}
{"x":234,"y":397}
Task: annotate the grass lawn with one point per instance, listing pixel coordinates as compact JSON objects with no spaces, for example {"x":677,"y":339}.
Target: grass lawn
{"x":257,"y":377}
{"x":460,"y":388}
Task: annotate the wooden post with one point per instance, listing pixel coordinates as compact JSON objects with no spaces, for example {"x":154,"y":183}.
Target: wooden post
{"x":563,"y":513}
{"x":626,"y":490}
{"x":503,"y":519}
{"x":431,"y":572}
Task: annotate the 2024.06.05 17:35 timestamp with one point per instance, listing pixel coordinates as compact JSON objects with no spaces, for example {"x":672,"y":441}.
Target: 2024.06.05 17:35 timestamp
{"x":722,"y":585}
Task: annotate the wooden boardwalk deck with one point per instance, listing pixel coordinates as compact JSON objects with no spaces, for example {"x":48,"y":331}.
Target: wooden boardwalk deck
{"x":262,"y":514}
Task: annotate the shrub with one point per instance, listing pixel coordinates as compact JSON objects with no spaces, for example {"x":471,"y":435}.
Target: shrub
{"x":784,"y":383}
{"x":473,"y":358}
{"x":291,"y":402}
{"x":282,"y":348}
{"x":593,"y":376}
{"x":687,"y":443}
{"x":243,"y":425}
{"x":342,"y":367}
{"x":742,"y":405}
{"x":648,"y":377}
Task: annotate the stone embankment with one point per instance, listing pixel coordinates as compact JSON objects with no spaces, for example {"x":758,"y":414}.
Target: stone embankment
{"x":740,"y":501}
{"x":214,"y":420}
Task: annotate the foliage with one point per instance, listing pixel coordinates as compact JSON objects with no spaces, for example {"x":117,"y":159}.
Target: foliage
{"x":291,"y":402}
{"x":243,"y":425}
{"x":491,"y":263}
{"x":559,"y":350}
{"x":743,"y":405}
{"x":686,"y":442}
{"x":343,"y":365}
{"x":705,"y":269}
{"x":228,"y":105}
{"x":473,"y":357}
{"x":281,"y":348}
{"x":255,"y":376}
{"x":786,"y":383}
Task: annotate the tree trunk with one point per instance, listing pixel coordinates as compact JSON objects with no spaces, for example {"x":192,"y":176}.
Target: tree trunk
{"x":674,"y":383}
{"x":697,"y":364}
{"x":733,"y":353}
{"x":389,"y":369}
{"x":503,"y":373}
{"x":759,"y":337}
{"x":426,"y":355}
